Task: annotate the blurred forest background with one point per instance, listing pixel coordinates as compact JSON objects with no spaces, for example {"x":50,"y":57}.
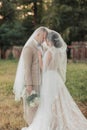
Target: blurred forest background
{"x":19,"y":18}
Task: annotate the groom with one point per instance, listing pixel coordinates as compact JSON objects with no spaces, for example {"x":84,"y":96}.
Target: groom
{"x":32,"y":71}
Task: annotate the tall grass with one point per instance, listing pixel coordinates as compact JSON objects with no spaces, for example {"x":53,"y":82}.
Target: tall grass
{"x":11,"y":112}
{"x":77,"y":81}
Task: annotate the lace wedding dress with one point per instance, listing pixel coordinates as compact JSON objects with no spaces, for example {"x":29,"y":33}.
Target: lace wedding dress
{"x":57,"y":109}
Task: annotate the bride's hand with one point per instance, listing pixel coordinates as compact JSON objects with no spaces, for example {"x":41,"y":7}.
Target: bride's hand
{"x":39,"y":54}
{"x":40,"y":59}
{"x":29,"y":89}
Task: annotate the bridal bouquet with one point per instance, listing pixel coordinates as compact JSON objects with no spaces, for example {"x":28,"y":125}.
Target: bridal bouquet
{"x":33,"y":99}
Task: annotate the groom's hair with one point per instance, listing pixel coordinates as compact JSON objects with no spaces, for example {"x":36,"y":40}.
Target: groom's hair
{"x":43,"y":29}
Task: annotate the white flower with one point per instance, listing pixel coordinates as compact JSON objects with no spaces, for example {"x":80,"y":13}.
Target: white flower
{"x":33,"y":92}
{"x":37,"y":100}
{"x":32,"y":104}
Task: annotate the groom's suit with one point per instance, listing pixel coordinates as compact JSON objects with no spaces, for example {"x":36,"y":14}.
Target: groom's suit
{"x":32,"y":76}
{"x":32,"y":73}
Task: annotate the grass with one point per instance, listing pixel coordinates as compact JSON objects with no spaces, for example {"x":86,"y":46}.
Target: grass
{"x":77,"y":81}
{"x":11,"y":112}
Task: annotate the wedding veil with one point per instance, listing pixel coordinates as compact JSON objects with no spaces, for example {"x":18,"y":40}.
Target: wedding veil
{"x":18,"y":87}
{"x":63,"y":59}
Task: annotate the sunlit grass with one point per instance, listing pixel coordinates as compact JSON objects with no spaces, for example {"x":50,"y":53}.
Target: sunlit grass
{"x":77,"y":81}
{"x":11,"y":112}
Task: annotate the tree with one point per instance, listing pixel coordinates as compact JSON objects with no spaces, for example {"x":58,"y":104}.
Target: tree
{"x":35,"y":7}
{"x":30,"y":14}
{"x":19,"y":19}
{"x":11,"y":31}
{"x":7,"y":10}
{"x":8,"y":14}
{"x":68,"y":18}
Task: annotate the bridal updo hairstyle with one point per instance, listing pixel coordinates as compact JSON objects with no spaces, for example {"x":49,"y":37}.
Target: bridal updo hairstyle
{"x":54,"y":39}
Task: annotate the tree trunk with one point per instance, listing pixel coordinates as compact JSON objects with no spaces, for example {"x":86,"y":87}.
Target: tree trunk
{"x":35,"y":13}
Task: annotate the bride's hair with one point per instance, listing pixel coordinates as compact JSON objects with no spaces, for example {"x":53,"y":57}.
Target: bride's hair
{"x":54,"y":38}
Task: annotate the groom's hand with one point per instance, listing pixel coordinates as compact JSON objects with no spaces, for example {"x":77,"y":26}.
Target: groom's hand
{"x":39,"y":54}
{"x":29,"y":89}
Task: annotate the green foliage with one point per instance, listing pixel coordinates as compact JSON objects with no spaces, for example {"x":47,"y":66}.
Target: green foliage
{"x":28,"y":25}
{"x":16,"y":34}
{"x":7,"y":10}
{"x":68,"y":18}
{"x":65,"y":16}
{"x":10,"y":57}
{"x":11,"y":34}
{"x":13,"y":30}
{"x":4,"y":30}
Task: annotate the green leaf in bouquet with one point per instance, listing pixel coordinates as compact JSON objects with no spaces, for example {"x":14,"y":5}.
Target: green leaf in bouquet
{"x":31,"y":98}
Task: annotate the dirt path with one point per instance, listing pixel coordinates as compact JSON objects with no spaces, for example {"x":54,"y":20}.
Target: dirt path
{"x":83,"y":108}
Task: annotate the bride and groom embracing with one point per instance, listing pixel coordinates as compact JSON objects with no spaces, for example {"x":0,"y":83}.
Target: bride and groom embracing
{"x":44,"y":70}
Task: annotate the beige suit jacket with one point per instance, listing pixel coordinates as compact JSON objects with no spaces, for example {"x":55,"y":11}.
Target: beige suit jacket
{"x":32,"y":72}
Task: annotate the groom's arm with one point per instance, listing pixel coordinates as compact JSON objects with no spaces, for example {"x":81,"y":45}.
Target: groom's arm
{"x":40,"y":59}
{"x":27,"y":57}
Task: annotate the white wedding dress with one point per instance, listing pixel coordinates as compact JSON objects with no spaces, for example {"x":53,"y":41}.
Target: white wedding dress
{"x":57,"y":109}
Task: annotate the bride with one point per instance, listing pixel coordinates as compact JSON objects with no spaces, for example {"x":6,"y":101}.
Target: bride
{"x":57,"y":109}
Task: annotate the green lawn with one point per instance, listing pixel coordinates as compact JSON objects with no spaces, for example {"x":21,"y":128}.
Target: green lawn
{"x":11,"y":112}
{"x":77,"y":81}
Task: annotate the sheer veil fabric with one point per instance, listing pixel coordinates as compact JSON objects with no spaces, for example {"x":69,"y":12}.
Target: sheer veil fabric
{"x":57,"y":109}
{"x":19,"y":83}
